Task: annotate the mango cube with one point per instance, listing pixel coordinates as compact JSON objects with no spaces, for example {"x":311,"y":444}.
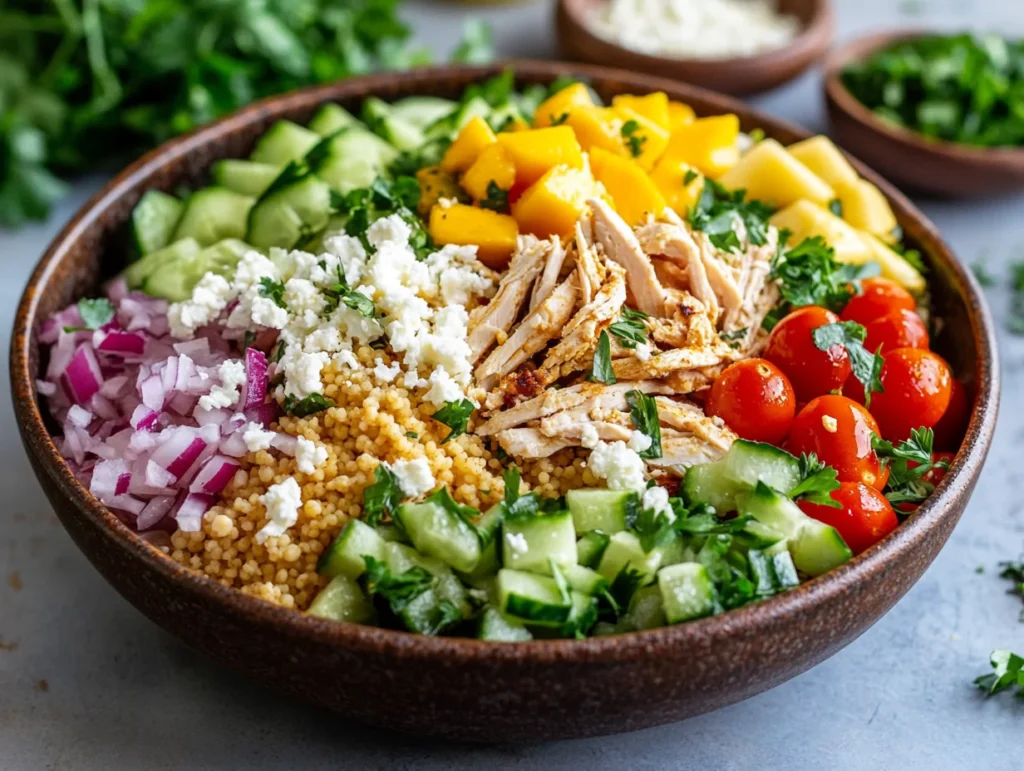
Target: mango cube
{"x":633,"y":194}
{"x":654,"y":106}
{"x":866,"y":208}
{"x":826,"y":160}
{"x":679,"y":183}
{"x":597,"y":127}
{"x":768,"y":173}
{"x":893,"y":266}
{"x":552,"y":205}
{"x":435,"y":184}
{"x":707,"y":144}
{"x":535,"y":151}
{"x":680,"y":114}
{"x":805,"y":219}
{"x":493,"y":165}
{"x":561,"y":103}
{"x":470,"y":142}
{"x":644,"y":140}
{"x":494,"y":234}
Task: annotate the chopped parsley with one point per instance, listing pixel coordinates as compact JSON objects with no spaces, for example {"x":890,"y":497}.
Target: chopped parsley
{"x":643,"y":410}
{"x":718,"y":211}
{"x":906,"y":483}
{"x":529,"y":505}
{"x":496,"y":198}
{"x":273,"y":290}
{"x":559,"y":120}
{"x":689,"y":176}
{"x":981,"y":273}
{"x":601,"y":371}
{"x":402,"y":589}
{"x":382,"y":497}
{"x":808,"y":274}
{"x":866,"y":366}
{"x":630,"y":329}
{"x":364,"y":206}
{"x":95,"y":314}
{"x":735,"y":337}
{"x":1007,"y":674}
{"x":634,"y":140}
{"x":455,"y":415}
{"x":340,"y":293}
{"x":836,"y":207}
{"x":307,"y":405}
{"x":443,"y":498}
{"x":817,"y":481}
{"x":412,"y":435}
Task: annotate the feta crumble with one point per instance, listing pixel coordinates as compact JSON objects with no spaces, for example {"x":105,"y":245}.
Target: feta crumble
{"x":639,"y":441}
{"x":414,"y":476}
{"x":232,"y":377}
{"x":282,"y":502}
{"x":385,"y":373}
{"x":656,"y":499}
{"x":642,"y":352}
{"x":309,"y":456}
{"x":256,"y":437}
{"x":209,"y":297}
{"x":618,"y":465}
{"x":589,"y":436}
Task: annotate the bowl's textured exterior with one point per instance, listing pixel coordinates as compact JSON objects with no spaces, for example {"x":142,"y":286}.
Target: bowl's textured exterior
{"x":465,"y":688}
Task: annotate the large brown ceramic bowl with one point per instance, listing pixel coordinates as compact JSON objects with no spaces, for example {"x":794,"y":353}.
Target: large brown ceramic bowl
{"x":465,"y":688}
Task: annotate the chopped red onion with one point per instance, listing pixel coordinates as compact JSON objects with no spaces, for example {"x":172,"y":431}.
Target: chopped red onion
{"x":82,"y":377}
{"x":214,"y":476}
{"x":254,"y":392}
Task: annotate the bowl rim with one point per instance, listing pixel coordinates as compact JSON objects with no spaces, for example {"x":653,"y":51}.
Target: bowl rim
{"x":819,"y":26}
{"x":614,"y":648}
{"x":838,"y":95}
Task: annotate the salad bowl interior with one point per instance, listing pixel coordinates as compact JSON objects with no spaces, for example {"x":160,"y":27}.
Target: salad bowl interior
{"x":465,"y":688}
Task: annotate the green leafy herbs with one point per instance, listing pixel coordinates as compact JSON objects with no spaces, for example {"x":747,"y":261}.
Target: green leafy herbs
{"x":274,"y":290}
{"x":558,"y":120}
{"x":95,"y":314}
{"x":981,"y":272}
{"x":477,"y":44}
{"x":307,"y":405}
{"x":836,"y":207}
{"x":455,"y":415}
{"x":529,"y":505}
{"x":633,"y":139}
{"x":443,"y":498}
{"x":909,"y":462}
{"x":866,"y":366}
{"x":1007,"y":674}
{"x":624,"y":586}
{"x":400,"y":591}
{"x":1013,"y":572}
{"x":630,"y":329}
{"x":728,"y":570}
{"x":643,"y":410}
{"x":808,"y":274}
{"x":601,"y":370}
{"x":958,"y":88}
{"x":364,"y":206}
{"x":496,"y":198}
{"x":817,"y":481}
{"x":340,"y":293}
{"x":736,"y":337}
{"x":719,"y":212}
{"x":689,"y":176}
{"x":383,"y":496}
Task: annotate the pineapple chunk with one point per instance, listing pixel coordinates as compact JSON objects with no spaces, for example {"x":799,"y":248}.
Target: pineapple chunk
{"x":805,"y":219}
{"x":893,"y":266}
{"x":768,"y":173}
{"x":866,"y":208}
{"x":826,"y":160}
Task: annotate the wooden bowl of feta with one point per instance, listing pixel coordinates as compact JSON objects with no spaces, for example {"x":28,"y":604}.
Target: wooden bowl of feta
{"x":733,"y":46}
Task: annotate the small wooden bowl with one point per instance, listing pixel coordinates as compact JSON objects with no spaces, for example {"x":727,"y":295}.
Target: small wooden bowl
{"x":740,"y":75}
{"x":907,"y":158}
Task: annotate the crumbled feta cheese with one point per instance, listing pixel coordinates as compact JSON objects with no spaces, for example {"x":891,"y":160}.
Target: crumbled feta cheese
{"x":232,"y":376}
{"x":442,"y":388}
{"x":517,"y":543}
{"x":346,"y":358}
{"x":590,"y":437}
{"x":79,"y":416}
{"x":642,"y":352}
{"x":309,"y":456}
{"x":348,"y":252}
{"x":618,"y":465}
{"x":656,"y":499}
{"x":385,"y":373}
{"x":414,"y":476}
{"x":639,"y":441}
{"x":301,"y":296}
{"x":282,"y":502}
{"x":264,"y":312}
{"x":302,"y":371}
{"x":256,"y":437}
{"x":209,"y":297}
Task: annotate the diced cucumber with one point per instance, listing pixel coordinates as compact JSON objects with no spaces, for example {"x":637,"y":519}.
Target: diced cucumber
{"x":344,"y":557}
{"x":707,"y":483}
{"x":154,"y":219}
{"x":609,"y":511}
{"x":585,"y":580}
{"x":439,"y":533}
{"x":746,"y":464}
{"x":532,"y":542}
{"x":498,"y":628}
{"x":399,"y":558}
{"x":675,"y":551}
{"x":582,"y":617}
{"x":213,"y":214}
{"x":449,"y":125}
{"x":425,"y":614}
{"x":815,"y":546}
{"x":176,"y":279}
{"x":421,"y":111}
{"x":687,"y":592}
{"x":331,"y":118}
{"x":179,"y":251}
{"x":244,"y":177}
{"x":532,"y":598}
{"x":487,"y":530}
{"x":772,"y":573}
{"x":351,"y":159}
{"x":646,"y":609}
{"x":625,"y":552}
{"x":590,"y":547}
{"x":294,"y":207}
{"x":383,"y":121}
{"x":392,"y":533}
{"x":282,"y":143}
{"x":343,"y":600}
{"x":757,"y":535}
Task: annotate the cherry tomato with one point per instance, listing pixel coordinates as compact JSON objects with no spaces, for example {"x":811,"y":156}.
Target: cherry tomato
{"x":838,"y":431}
{"x":950,"y":429}
{"x":878,"y":297}
{"x":899,"y":329}
{"x":791,"y":348}
{"x":934,"y":476}
{"x":863,"y":518}
{"x":755,"y":400}
{"x":917,"y":388}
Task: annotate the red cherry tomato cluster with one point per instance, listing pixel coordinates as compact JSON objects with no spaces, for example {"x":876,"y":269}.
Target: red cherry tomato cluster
{"x":808,"y":401}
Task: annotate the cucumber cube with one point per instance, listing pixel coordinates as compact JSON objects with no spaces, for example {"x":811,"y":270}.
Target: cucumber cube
{"x":532,"y":542}
{"x":687,"y":592}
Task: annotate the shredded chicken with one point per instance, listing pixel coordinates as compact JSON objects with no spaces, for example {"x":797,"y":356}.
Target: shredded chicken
{"x":687,"y":417}
{"x":667,"y":362}
{"x":674,"y":241}
{"x":620,"y":244}
{"x":548,"y":280}
{"x":680,"y":450}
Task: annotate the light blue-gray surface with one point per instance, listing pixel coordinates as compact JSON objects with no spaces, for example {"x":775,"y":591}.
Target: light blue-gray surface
{"x":86,"y":682}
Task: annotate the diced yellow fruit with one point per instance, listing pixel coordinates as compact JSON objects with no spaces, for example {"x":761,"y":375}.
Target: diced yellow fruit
{"x":646,"y":142}
{"x":561,"y":103}
{"x":470,"y":142}
{"x":493,"y":234}
{"x":536,"y":151}
{"x":654,"y":106}
{"x":515,"y":124}
{"x":826,"y":160}
{"x":597,"y":127}
{"x":670,"y":176}
{"x":707,"y":144}
{"x":435,"y":184}
{"x":552,"y":205}
{"x":680,"y":114}
{"x":866,"y":208}
{"x":633,"y":194}
{"x":893,"y":266}
{"x":805,"y":219}
{"x":768,"y":173}
{"x":493,"y":165}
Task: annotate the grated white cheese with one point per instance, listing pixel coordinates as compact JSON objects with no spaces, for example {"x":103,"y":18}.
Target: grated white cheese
{"x":414,"y":476}
{"x":589,"y":436}
{"x":282,"y":502}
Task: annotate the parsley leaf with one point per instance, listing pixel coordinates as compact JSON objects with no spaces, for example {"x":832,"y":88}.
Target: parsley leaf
{"x":496,"y":199}
{"x":634,"y":141}
{"x":718,"y":210}
{"x":817,"y":481}
{"x":601,"y":371}
{"x":431,"y":615}
{"x":735,"y":337}
{"x":477,"y":44}
{"x":836,"y":207}
{"x":808,"y":274}
{"x":400,"y":588}
{"x":383,"y":496}
{"x":643,"y":410}
{"x":95,"y":313}
{"x":906,"y":483}
{"x":558,"y":120}
{"x":307,"y":405}
{"x":274,"y":290}
{"x":341,"y":294}
{"x":630,"y":328}
{"x":455,"y":415}
{"x":689,"y":176}
{"x":732,"y":583}
{"x":364,"y":206}
{"x":1008,"y":673}
{"x":442,"y":497}
{"x":866,"y":366}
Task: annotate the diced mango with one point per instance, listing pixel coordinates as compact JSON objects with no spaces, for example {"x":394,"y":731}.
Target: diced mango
{"x":893,"y":266}
{"x":805,"y":219}
{"x":654,"y":106}
{"x":561,"y":103}
{"x":552,"y":205}
{"x":470,"y":142}
{"x":536,"y":151}
{"x":826,"y":160}
{"x":680,"y":114}
{"x":866,"y":208}
{"x":633,"y":194}
{"x":494,"y":234}
{"x":515,"y":124}
{"x":435,"y":184}
{"x":707,"y":144}
{"x":493,"y":165}
{"x":680,"y":184}
{"x":768,"y":173}
{"x":644,"y":140}
{"x":597,"y":127}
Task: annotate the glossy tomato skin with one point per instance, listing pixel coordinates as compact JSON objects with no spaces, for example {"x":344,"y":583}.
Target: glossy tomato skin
{"x":838,"y":431}
{"x":755,"y":399}
{"x":878,"y":297}
{"x":899,"y":329}
{"x":791,"y":348}
{"x":916,"y":391}
{"x":863,"y":518}
{"x":949,"y":431}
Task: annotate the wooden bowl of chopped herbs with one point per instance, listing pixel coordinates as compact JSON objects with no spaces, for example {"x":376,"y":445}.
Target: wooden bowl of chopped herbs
{"x":937,"y":114}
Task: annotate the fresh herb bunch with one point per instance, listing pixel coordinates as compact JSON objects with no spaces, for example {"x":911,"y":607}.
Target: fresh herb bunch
{"x":719,"y":211}
{"x":958,"y":88}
